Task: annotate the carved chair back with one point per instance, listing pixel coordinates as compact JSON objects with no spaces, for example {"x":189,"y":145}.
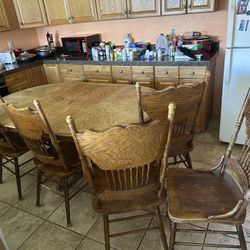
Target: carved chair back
{"x":131,"y":156}
{"x":35,"y":130}
{"x":187,"y":98}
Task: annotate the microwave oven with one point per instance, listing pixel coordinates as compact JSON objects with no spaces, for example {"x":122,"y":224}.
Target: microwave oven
{"x":80,"y":45}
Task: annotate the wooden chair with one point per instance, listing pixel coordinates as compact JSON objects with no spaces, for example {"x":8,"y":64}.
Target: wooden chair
{"x":218,"y":195}
{"x":11,"y":148}
{"x":188,"y":99}
{"x":123,"y":170}
{"x":53,"y":157}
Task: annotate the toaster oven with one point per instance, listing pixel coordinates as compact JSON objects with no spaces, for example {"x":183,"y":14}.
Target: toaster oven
{"x":7,"y":57}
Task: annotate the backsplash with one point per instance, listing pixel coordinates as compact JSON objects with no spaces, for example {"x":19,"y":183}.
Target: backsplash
{"x":24,"y":39}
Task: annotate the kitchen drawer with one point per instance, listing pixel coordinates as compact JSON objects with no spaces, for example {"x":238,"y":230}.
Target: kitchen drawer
{"x":143,"y":71}
{"x":97,"y":70}
{"x":121,"y":71}
{"x":167,"y":71}
{"x":192,"y":72}
{"x":11,"y":79}
{"x":71,"y":69}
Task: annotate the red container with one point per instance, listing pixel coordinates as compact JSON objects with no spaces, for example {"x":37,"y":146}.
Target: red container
{"x":17,"y":51}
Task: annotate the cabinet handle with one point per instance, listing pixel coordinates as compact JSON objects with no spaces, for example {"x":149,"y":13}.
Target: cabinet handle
{"x":129,"y":12}
{"x":97,"y":71}
{"x":166,"y":72}
{"x":193,"y":73}
{"x":21,"y":23}
{"x":143,"y":72}
{"x":121,"y":71}
{"x":124,"y":12}
{"x":72,"y":17}
{"x":69,"y":17}
{"x":69,"y":70}
{"x":190,"y":6}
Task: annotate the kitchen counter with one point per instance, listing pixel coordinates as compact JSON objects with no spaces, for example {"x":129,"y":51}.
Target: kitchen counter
{"x":164,"y":61}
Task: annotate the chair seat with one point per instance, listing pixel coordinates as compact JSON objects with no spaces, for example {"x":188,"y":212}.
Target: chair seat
{"x":9,"y":152}
{"x":194,"y":196}
{"x":52,"y":170}
{"x":181,"y":145}
{"x":106,"y":201}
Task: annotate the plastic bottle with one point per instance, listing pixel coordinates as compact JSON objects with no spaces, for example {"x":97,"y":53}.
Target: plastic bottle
{"x":127,"y":41}
{"x":162,"y":44}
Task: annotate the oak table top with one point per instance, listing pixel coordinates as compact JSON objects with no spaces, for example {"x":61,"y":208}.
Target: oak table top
{"x":92,"y":105}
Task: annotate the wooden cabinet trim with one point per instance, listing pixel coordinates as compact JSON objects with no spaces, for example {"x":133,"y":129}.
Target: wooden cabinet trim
{"x":30,"y":23}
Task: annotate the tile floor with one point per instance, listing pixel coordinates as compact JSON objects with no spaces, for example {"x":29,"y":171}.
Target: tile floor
{"x":27,"y":227}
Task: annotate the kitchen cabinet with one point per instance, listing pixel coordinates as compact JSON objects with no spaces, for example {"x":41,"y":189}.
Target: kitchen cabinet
{"x":172,"y":7}
{"x":195,"y":6}
{"x":8,"y":18}
{"x":25,"y":79}
{"x":140,"y":8}
{"x":117,"y":9}
{"x":56,"y":12}
{"x":166,"y":76}
{"x":82,"y":10}
{"x":70,"y":11}
{"x":30,"y":13}
{"x":144,"y":75}
{"x":17,"y":81}
{"x":97,"y":73}
{"x":37,"y":76}
{"x":71,"y":72}
{"x":111,"y":9}
{"x":122,"y":74}
{"x":4,"y":22}
{"x":52,"y":73}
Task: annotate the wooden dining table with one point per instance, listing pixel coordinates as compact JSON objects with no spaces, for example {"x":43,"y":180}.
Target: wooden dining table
{"x":92,"y":105}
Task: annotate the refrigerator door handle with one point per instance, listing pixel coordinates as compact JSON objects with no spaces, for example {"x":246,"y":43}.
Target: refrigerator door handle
{"x":231,"y":24}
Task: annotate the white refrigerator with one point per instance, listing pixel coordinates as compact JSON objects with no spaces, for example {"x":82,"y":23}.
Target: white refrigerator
{"x":237,"y":68}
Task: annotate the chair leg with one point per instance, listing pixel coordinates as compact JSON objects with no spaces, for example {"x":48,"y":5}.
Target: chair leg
{"x":106,"y":231}
{"x":188,"y":159}
{"x":161,"y":228}
{"x":66,"y":201}
{"x":1,"y":169}
{"x":38,"y":188}
{"x":241,"y":237}
{"x":172,"y":235}
{"x":18,"y":179}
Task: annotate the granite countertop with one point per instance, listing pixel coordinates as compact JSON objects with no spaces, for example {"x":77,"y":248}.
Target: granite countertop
{"x":58,"y":59}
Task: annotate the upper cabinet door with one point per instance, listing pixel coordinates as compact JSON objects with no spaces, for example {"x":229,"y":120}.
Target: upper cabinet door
{"x":56,"y":12}
{"x":30,"y":13}
{"x":173,"y":7}
{"x":82,"y":10}
{"x":111,"y":9}
{"x":200,"y":6}
{"x":4,"y":23}
{"x":140,"y":8}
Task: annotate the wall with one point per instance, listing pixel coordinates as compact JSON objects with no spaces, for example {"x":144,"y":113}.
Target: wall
{"x":148,"y":29}
{"x":24,"y":39}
